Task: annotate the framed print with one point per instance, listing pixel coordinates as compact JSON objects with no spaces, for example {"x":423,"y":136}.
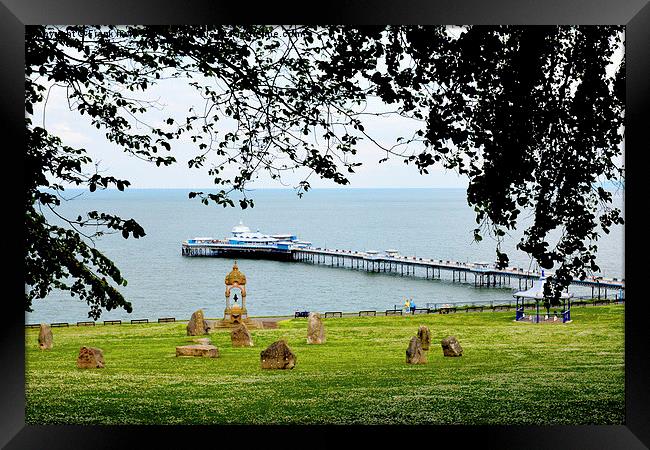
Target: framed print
{"x":371,"y":217}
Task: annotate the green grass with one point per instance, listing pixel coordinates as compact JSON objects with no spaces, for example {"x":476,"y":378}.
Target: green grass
{"x":510,"y":373}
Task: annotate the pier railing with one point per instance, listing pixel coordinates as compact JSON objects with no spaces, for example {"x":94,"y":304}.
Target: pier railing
{"x":483,"y":275}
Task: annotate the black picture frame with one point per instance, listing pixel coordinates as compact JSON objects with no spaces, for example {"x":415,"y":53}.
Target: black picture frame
{"x":634,"y":14}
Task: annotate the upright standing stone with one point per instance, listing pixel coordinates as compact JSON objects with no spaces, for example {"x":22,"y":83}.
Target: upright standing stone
{"x":315,"y":329}
{"x":197,"y":325}
{"x":240,"y":336}
{"x":414,"y":352}
{"x":90,"y":358}
{"x":211,"y":324}
{"x":45,"y":337}
{"x":425,"y":337}
{"x":278,"y":356}
{"x":451,"y":346}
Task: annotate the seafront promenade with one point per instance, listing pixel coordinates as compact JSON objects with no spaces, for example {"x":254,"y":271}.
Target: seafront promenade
{"x":428,"y":308}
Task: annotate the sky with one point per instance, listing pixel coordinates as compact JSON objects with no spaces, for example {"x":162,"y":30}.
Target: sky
{"x":175,"y":97}
{"x":75,"y":130}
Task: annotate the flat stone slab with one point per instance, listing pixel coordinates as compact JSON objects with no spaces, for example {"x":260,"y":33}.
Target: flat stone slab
{"x":268,"y":324}
{"x":203,"y":341}
{"x":203,"y":350}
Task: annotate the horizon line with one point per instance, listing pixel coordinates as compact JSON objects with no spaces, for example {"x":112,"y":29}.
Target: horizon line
{"x":266,"y":188}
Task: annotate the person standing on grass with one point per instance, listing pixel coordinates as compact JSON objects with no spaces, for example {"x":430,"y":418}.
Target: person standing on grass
{"x":412,"y":307}
{"x":407,"y":305}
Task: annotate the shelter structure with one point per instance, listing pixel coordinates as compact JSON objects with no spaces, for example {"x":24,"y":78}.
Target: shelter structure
{"x":536,"y":292}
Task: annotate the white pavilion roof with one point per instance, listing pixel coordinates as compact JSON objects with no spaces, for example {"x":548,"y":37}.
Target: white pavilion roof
{"x":241,"y":228}
{"x":537,"y":291}
{"x":254,"y":236}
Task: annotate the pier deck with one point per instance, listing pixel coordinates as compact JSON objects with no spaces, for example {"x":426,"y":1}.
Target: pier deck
{"x":432,"y":268}
{"x":398,"y":264}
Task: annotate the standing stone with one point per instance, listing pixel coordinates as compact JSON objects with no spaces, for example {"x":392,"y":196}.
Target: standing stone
{"x":240,"y":336}
{"x":45,"y":337}
{"x":425,"y":337}
{"x":204,"y":350}
{"x":278,"y":356}
{"x":414,"y":353}
{"x":451,"y":346}
{"x":211,"y":324}
{"x":197,"y":324}
{"x":90,"y":358}
{"x":315,"y":329}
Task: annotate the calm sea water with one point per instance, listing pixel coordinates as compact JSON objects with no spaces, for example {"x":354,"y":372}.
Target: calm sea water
{"x":435,"y":223}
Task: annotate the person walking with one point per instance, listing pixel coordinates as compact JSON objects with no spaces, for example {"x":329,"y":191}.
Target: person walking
{"x":407,"y":305}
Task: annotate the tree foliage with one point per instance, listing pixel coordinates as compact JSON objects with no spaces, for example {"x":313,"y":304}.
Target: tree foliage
{"x":531,"y":116}
{"x":528,"y":114}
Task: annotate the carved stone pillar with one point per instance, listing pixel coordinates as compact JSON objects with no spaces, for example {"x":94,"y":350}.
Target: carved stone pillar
{"x":226,"y":312}
{"x":235,"y":279}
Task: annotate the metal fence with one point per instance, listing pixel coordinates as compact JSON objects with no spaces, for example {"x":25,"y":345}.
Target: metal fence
{"x":432,"y":308}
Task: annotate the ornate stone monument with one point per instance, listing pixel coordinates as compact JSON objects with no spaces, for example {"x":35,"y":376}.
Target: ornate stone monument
{"x":235,"y":313}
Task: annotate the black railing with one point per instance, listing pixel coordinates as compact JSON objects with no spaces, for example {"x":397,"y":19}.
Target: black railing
{"x":432,"y":308}
{"x":166,"y":319}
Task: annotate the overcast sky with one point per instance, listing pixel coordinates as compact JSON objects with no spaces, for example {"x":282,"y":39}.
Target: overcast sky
{"x":175,"y":98}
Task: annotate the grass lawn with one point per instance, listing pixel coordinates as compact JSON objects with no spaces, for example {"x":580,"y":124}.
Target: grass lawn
{"x":510,"y":373}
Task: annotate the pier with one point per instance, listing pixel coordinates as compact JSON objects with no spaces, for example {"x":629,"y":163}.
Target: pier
{"x":479,"y":274}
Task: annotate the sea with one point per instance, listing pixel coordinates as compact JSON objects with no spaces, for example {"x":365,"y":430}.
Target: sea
{"x":427,"y":223}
